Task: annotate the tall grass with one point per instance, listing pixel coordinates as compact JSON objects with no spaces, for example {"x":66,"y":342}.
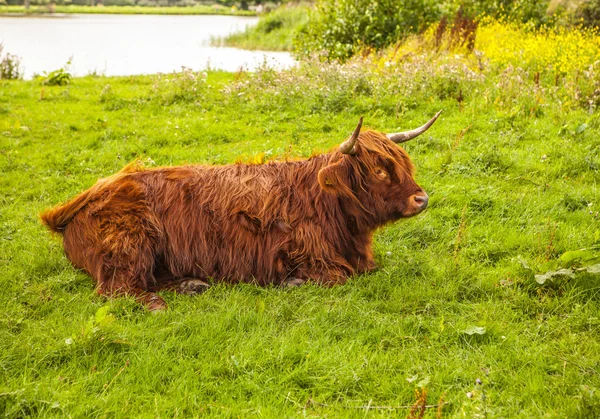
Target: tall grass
{"x":275,"y":31}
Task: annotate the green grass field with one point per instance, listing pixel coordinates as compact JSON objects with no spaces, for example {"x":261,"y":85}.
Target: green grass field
{"x":510,"y":184}
{"x":125,"y":10}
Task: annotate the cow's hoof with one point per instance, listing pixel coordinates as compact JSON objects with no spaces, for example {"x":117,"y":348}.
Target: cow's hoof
{"x":192,"y":287}
{"x":293,"y":282}
{"x":154,"y":302}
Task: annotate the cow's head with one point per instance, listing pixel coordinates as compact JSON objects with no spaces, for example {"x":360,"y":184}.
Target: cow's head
{"x":371,"y":170}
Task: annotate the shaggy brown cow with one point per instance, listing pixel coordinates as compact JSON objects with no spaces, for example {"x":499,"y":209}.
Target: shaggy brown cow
{"x":143,"y":230}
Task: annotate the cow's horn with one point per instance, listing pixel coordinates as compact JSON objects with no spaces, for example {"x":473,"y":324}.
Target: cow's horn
{"x":347,"y":147}
{"x":402,"y":137}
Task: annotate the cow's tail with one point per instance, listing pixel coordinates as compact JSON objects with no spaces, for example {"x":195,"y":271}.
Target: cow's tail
{"x":59,"y":217}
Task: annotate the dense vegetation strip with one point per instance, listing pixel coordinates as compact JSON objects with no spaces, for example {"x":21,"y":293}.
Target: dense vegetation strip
{"x":125,"y":10}
{"x":341,"y":29}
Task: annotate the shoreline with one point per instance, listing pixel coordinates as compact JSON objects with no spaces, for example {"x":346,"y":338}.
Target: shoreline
{"x":60,"y":11}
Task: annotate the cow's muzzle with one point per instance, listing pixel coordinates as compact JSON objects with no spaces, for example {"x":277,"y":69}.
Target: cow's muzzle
{"x":416,"y":204}
{"x":421,"y":200}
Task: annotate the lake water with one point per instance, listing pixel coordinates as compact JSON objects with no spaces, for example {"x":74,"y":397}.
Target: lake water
{"x":129,"y":44}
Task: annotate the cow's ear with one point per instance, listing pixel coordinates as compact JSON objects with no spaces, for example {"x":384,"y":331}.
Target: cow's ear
{"x":335,"y":178}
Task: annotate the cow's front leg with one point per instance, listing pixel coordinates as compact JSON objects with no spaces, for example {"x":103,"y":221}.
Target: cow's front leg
{"x":366,"y":266}
{"x":150,"y":300}
{"x":191,"y":286}
{"x":130,"y":276}
{"x":292,"y":282}
{"x":326,"y":277}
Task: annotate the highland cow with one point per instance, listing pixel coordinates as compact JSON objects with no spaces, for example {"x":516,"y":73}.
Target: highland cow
{"x":144,"y":230}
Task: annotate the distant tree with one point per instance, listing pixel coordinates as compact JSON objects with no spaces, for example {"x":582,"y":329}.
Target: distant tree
{"x":50,"y":4}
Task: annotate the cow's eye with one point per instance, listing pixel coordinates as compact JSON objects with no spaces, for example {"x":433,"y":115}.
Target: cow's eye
{"x":381,"y":173}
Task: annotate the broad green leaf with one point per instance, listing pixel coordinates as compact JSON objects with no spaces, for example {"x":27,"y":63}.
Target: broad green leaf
{"x":101,"y":313}
{"x":523,"y":263}
{"x":88,"y":329}
{"x":592,"y":269}
{"x":472,"y":330}
{"x":551,"y":265}
{"x":423,"y":382}
{"x":573,"y":256}
{"x":107,"y":320}
{"x":540,"y":279}
{"x":102,"y":318}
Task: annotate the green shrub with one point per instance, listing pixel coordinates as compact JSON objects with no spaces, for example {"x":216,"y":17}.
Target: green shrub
{"x":588,"y":13}
{"x":10,"y":66}
{"x":341,"y":28}
{"x":534,"y":11}
{"x":60,"y":77}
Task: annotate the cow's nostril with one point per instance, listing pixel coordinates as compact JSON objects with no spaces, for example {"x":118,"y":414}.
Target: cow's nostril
{"x":422,"y":200}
